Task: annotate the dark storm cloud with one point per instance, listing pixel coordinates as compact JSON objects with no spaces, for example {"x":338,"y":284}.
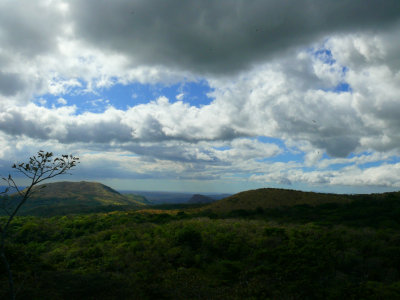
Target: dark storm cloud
{"x":10,"y":84}
{"x":15,"y":123}
{"x":339,"y":146}
{"x":220,"y":36}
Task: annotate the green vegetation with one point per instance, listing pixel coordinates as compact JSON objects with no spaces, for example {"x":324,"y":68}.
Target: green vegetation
{"x":267,"y":198}
{"x":348,"y":250}
{"x":61,"y":198}
{"x":138,"y":199}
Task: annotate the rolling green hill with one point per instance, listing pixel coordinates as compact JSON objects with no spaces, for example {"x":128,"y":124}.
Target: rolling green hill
{"x":271,"y":198}
{"x":139,"y":199}
{"x":78,"y":197}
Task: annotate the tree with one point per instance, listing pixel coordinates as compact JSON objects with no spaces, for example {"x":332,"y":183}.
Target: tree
{"x":41,"y":167}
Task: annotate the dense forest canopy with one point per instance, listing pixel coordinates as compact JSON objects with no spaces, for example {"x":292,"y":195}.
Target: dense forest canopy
{"x":328,"y":251}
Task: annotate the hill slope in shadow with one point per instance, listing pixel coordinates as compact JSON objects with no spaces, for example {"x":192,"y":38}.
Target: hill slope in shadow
{"x":271,"y":198}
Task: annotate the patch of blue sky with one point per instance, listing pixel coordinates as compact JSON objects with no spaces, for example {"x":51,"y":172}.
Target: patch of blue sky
{"x":84,"y":103}
{"x":341,"y":165}
{"x":307,"y":169}
{"x":222,"y":148}
{"x":342,"y":87}
{"x":197,"y":93}
{"x":364,"y":153}
{"x":123,"y":96}
{"x":194,"y":93}
{"x":271,"y":140}
{"x":391,"y":161}
{"x":325,"y":55}
{"x":325,"y":156}
{"x":394,"y":159}
{"x":284,"y":157}
{"x":371,"y":164}
{"x":50,"y":100}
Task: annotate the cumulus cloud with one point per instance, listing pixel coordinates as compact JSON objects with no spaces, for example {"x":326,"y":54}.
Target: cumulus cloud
{"x":322,"y":78}
{"x":245,"y":149}
{"x":386,"y":175}
{"x":272,"y":100}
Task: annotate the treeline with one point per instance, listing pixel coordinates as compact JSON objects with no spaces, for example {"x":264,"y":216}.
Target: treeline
{"x":361,"y":212}
{"x":332,"y":251}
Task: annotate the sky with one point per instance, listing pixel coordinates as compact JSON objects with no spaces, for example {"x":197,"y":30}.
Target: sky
{"x":205,"y":96}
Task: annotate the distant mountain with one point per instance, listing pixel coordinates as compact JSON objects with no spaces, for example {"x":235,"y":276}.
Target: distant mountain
{"x":157,"y":197}
{"x":78,"y":197}
{"x":270,"y":198}
{"x":140,"y":199}
{"x":200,"y":199}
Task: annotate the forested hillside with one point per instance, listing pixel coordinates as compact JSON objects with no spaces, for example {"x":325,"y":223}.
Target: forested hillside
{"x":348,"y":250}
{"x":269,"y":197}
{"x":61,"y":198}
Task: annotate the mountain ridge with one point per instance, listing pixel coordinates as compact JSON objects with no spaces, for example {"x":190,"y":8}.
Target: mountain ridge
{"x":273,"y":197}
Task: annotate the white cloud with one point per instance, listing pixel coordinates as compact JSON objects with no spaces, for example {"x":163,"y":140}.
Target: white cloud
{"x":269,"y":78}
{"x":245,"y":149}
{"x":180,"y":96}
{"x":98,"y":102}
{"x":62,"y":101}
{"x":272,"y":101}
{"x":387,"y":175}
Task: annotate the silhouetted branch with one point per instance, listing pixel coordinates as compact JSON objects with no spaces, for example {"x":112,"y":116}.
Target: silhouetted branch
{"x":40,"y":167}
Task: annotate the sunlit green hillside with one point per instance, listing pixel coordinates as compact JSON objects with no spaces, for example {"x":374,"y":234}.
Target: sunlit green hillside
{"x":61,"y":198}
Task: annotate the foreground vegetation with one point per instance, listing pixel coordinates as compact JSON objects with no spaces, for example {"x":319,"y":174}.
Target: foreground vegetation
{"x":330,"y":251}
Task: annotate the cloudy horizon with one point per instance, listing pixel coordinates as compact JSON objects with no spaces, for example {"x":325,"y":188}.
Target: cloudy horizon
{"x":206,"y":96}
